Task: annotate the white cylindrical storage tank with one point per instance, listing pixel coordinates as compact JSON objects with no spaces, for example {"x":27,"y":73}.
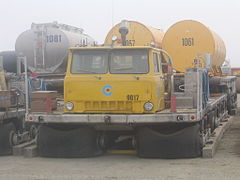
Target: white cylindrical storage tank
{"x":46,"y":46}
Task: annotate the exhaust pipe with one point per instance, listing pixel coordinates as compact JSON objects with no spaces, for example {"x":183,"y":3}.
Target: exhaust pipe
{"x":123,"y":30}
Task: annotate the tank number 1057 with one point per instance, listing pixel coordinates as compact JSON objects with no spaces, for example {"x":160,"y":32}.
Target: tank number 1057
{"x":130,"y":42}
{"x":187,"y":42}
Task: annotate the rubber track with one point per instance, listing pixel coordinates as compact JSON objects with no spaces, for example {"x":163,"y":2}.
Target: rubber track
{"x":79,"y":142}
{"x":5,"y":147}
{"x":184,"y":143}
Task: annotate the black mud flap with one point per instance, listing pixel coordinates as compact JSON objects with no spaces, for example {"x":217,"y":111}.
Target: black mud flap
{"x":5,"y":146}
{"x":184,"y":143}
{"x":78,"y":142}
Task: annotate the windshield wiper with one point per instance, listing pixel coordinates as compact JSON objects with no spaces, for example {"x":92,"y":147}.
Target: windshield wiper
{"x":122,"y":68}
{"x":85,"y":70}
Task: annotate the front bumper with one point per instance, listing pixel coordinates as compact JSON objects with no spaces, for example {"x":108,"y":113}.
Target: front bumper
{"x":112,"y":118}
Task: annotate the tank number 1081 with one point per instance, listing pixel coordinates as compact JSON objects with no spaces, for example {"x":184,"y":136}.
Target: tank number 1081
{"x":54,"y":38}
{"x":187,"y":41}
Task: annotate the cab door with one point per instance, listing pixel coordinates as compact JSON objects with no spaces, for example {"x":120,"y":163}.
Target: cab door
{"x":159,"y":80}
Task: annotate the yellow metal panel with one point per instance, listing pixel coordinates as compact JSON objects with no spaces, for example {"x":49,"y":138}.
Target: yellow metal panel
{"x":138,"y":35}
{"x":87,"y":93}
{"x":109,"y":47}
{"x":185,"y":39}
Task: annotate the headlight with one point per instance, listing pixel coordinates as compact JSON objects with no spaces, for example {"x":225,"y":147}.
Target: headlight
{"x":148,"y":106}
{"x":69,"y":106}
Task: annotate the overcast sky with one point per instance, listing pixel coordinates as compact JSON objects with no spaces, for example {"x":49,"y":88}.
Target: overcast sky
{"x":96,"y":17}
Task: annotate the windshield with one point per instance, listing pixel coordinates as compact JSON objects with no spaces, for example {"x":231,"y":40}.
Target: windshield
{"x":90,"y":62}
{"x":133,"y":61}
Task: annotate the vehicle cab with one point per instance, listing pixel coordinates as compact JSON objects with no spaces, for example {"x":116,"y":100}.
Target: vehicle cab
{"x":119,"y":79}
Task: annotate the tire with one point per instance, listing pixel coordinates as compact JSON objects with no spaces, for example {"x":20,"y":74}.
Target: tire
{"x":78,"y":142}
{"x":232,"y":112}
{"x":184,"y":143}
{"x":5,"y":145}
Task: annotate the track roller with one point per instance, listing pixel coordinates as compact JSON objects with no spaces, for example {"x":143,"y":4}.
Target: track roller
{"x":6,"y":130}
{"x":212,"y":120}
{"x":76,"y":142}
{"x":183,"y":143}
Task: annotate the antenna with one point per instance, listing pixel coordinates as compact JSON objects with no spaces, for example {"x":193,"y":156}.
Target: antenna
{"x":112,"y":12}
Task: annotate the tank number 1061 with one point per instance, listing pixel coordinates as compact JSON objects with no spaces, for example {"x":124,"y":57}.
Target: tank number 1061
{"x":187,"y":41}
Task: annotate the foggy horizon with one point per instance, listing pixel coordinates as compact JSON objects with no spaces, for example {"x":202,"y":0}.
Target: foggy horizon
{"x":97,"y":17}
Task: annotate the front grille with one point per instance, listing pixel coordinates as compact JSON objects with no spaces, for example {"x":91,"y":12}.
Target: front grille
{"x":108,"y":106}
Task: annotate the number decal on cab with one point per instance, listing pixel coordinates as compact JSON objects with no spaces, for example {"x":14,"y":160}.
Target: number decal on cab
{"x":132,"y":97}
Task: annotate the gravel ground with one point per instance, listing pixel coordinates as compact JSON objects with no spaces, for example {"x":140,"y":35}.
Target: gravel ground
{"x":224,"y":165}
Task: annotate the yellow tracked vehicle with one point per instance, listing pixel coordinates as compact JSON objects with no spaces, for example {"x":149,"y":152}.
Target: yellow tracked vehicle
{"x":125,"y":96}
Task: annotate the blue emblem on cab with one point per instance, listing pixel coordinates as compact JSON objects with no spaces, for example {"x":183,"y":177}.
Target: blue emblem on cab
{"x":107,"y":90}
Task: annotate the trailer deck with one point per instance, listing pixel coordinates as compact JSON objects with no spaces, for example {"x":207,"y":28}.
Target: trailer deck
{"x":11,"y":113}
{"x":181,"y":115}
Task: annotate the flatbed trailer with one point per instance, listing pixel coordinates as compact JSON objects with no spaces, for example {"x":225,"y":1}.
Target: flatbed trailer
{"x":11,"y":124}
{"x":11,"y":113}
{"x":164,"y":116}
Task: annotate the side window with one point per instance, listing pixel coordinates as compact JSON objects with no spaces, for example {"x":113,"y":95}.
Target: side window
{"x":160,"y":62}
{"x":155,"y":62}
{"x":164,"y":64}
